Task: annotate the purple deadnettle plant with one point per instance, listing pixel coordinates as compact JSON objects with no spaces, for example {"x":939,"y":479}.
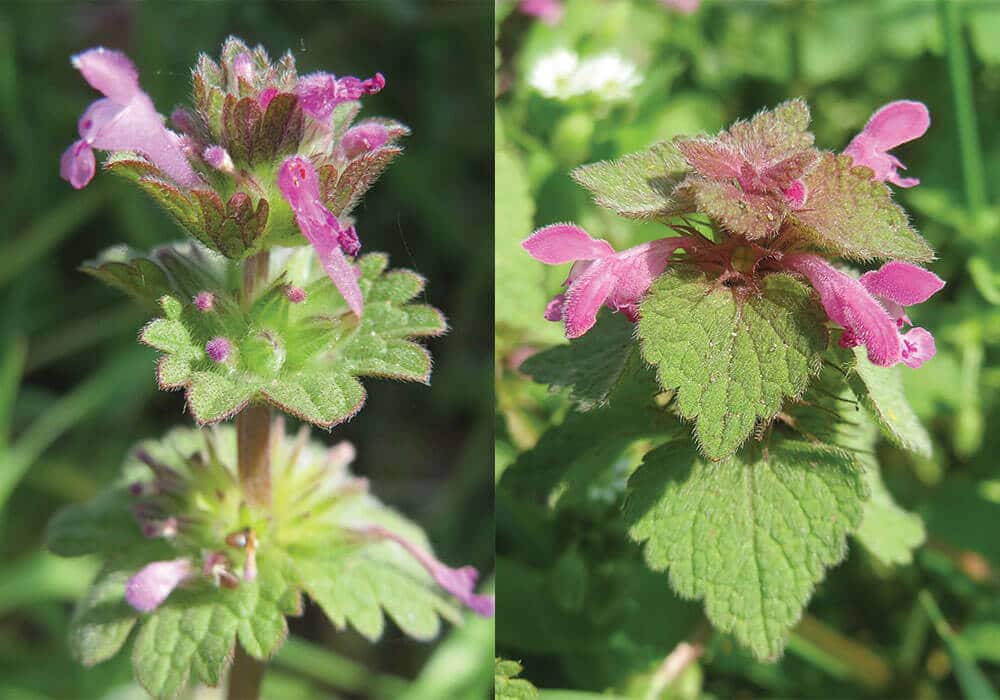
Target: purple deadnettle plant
{"x":739,"y":347}
{"x":212,"y":535}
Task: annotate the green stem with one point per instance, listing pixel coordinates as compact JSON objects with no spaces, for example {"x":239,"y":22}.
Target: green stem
{"x":840,"y":656}
{"x":973,"y":173}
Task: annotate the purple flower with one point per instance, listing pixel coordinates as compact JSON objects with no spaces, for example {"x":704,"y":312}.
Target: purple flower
{"x":366,"y":136}
{"x":685,"y":7}
{"x":296,"y":295}
{"x":548,"y":11}
{"x":871,"y":309}
{"x":204,"y":300}
{"x":599,"y":275}
{"x":299,"y":184}
{"x":219,"y":158}
{"x":461,"y":583}
{"x":125,"y":120}
{"x":892,"y":125}
{"x":148,"y":588}
{"x":218,"y":349}
{"x":320,"y":93}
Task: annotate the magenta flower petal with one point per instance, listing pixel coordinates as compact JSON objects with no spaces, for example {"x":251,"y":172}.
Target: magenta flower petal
{"x":148,"y":588}
{"x":554,"y":309}
{"x":362,"y":138}
{"x":320,"y":93}
{"x":77,"y":165}
{"x":109,"y":72}
{"x":685,"y":7}
{"x":902,"y":283}
{"x":849,"y":304}
{"x":563,"y":243}
{"x":586,"y":296}
{"x":299,"y":184}
{"x":918,"y":347}
{"x":892,"y":125}
{"x":461,"y":583}
{"x":548,"y":11}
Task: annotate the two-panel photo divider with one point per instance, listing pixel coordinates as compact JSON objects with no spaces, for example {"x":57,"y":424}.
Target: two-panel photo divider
{"x":704,"y":411}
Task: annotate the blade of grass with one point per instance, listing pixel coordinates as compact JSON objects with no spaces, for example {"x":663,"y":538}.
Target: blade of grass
{"x":11,"y":370}
{"x":840,"y":656}
{"x":325,"y":666}
{"x":973,"y":172}
{"x":47,"y":231}
{"x":64,"y":413}
{"x":75,"y":336}
{"x":974,"y":685}
{"x":43,"y":576}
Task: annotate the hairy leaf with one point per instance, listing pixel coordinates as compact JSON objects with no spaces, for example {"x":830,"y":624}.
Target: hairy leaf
{"x":640,"y":185}
{"x":102,"y":620}
{"x":751,"y":535}
{"x":880,"y":390}
{"x":507,"y":685}
{"x":848,"y":213}
{"x":732,"y":363}
{"x":591,"y":366}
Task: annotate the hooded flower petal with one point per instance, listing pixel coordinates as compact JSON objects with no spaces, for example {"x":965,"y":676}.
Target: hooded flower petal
{"x":299,"y":184}
{"x":148,"y":588}
{"x":461,"y":583}
{"x":599,"y":276}
{"x":362,"y":138}
{"x":563,"y":243}
{"x":849,"y":304}
{"x":902,"y":283}
{"x":125,"y":120}
{"x":892,"y":125}
{"x":320,"y":93}
{"x":549,"y":11}
{"x":109,"y":72}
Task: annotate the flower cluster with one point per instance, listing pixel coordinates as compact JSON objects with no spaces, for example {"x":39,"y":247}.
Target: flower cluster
{"x":257,"y":128}
{"x":777,"y":204}
{"x":193,"y":504}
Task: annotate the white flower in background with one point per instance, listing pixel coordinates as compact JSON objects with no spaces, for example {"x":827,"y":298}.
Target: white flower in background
{"x":553,"y":74}
{"x":562,"y":75}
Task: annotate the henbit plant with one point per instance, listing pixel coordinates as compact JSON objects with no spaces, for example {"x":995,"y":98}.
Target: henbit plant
{"x":211,"y":536}
{"x":728,"y":338}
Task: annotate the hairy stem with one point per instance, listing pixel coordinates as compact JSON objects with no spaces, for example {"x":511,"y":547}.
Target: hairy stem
{"x":838,"y":655}
{"x":245,"y":676}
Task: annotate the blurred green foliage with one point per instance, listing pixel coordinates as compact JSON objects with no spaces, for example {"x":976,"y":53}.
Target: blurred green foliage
{"x":578,"y":608}
{"x":76,"y":390}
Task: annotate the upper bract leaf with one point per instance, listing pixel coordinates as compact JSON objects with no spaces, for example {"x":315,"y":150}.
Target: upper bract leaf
{"x":640,"y":185}
{"x":751,"y":535}
{"x":732,"y":362}
{"x":848,"y":213}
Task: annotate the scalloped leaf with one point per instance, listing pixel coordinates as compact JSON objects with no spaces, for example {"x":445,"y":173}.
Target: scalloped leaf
{"x":357,"y":177}
{"x":732,"y":362}
{"x":304,"y":358}
{"x":850,"y":214}
{"x":752,"y":535}
{"x":639,"y":185}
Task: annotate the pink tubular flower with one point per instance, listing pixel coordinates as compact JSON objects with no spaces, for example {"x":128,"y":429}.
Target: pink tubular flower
{"x":362,"y":138}
{"x":125,"y":120}
{"x":892,"y":125}
{"x":319,"y":93}
{"x":684,"y":7}
{"x":871,"y":309}
{"x":148,"y":588}
{"x":299,"y":184}
{"x":461,"y":583}
{"x":599,"y":275}
{"x":548,"y":11}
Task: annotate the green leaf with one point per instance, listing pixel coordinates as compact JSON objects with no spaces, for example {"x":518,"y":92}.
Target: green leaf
{"x":887,"y":531}
{"x":304,"y":358}
{"x":639,"y":185}
{"x":880,"y":390}
{"x":125,"y":269}
{"x":193,"y":634}
{"x":751,"y":535}
{"x":507,"y":685}
{"x":105,"y":525}
{"x":847,"y":213}
{"x":732,"y":362}
{"x":102,"y":620}
{"x":591,"y":366}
